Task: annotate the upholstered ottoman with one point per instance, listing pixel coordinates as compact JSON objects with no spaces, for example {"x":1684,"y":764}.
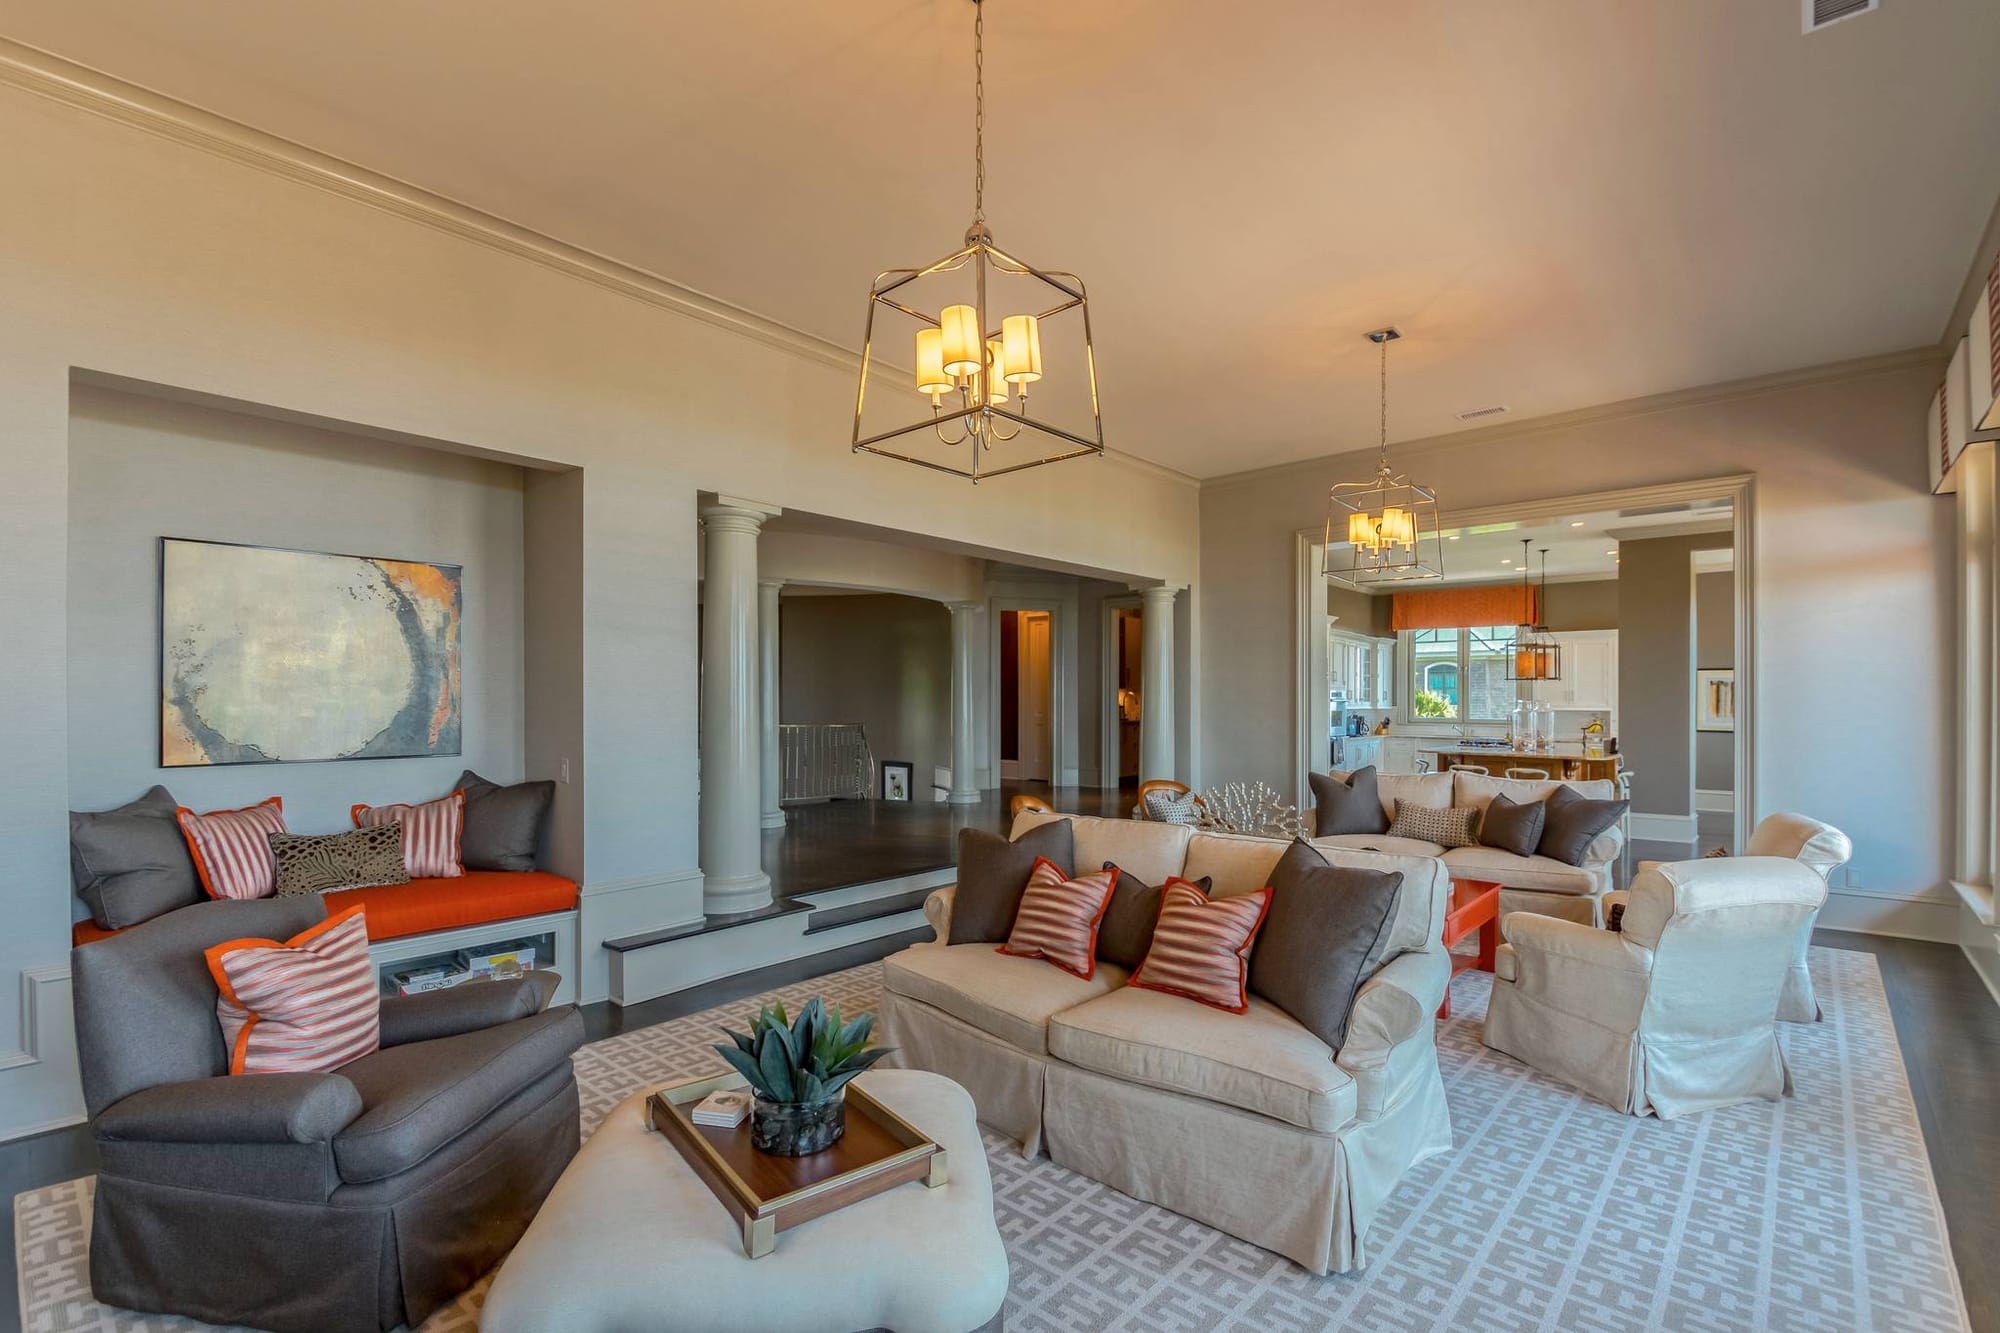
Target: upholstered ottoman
{"x":630,"y":1239}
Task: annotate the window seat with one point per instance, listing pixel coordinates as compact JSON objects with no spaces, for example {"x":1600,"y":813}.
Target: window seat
{"x":426,"y":905}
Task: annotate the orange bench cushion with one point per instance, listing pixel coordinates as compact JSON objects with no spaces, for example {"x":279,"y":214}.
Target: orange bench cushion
{"x":425,"y":905}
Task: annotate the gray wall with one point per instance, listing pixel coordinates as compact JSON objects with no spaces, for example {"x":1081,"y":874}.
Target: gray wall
{"x":1359,"y":611}
{"x":553,"y":655}
{"x":1855,"y":587}
{"x":1579,"y":606}
{"x":878,"y":659}
{"x":1656,"y":668}
{"x":1715,"y":646}
{"x":141,"y":468}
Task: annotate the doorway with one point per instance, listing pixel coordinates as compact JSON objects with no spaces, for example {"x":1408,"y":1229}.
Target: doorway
{"x":1027,"y":696}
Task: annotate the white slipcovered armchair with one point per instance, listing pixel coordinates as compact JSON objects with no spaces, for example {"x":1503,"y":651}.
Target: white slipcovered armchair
{"x":1676,"y":1013}
{"x":1806,"y":840}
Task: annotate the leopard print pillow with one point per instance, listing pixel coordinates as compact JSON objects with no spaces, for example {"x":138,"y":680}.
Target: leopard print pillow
{"x":360,"y":859}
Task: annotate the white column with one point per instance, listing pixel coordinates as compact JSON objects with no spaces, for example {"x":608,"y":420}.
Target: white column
{"x":767,"y":669}
{"x":982,"y":699}
{"x":733,"y":878}
{"x":964,"y":661}
{"x":1156,"y":683}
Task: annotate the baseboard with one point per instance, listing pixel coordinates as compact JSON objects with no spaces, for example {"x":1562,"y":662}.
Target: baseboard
{"x":1664,"y":828}
{"x":1714,"y":802}
{"x":1866,"y":911}
{"x":1985,"y":962}
{"x":39,"y":1088}
{"x":611,"y":908}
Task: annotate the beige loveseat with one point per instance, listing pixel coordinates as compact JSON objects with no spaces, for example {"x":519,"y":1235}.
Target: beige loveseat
{"x":1527,"y":883}
{"x":1247,"y":1122}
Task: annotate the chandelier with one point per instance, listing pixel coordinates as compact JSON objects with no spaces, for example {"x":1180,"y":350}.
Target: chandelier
{"x":1537,"y":652}
{"x":977,"y":357}
{"x":1384,"y":530}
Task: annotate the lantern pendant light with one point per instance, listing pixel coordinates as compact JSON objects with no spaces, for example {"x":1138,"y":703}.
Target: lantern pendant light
{"x":1537,"y":652}
{"x":1385,"y":529}
{"x":977,"y":356}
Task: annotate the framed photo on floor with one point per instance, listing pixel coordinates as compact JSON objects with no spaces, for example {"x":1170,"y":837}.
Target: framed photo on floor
{"x":1715,"y":699}
{"x":896,"y":777}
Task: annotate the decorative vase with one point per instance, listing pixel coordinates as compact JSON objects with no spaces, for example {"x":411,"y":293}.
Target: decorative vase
{"x":797,"y":1129}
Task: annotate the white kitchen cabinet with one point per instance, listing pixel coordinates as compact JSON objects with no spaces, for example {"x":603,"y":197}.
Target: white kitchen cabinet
{"x":1589,"y":672}
{"x":1361,"y":752}
{"x":1361,"y":668}
{"x":1399,"y":754}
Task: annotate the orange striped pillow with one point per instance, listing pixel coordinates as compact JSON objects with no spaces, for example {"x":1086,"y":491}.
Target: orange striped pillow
{"x":1058,"y":917}
{"x":232,"y":848}
{"x":432,"y":833}
{"x":305,"y":1006}
{"x":1201,"y":946}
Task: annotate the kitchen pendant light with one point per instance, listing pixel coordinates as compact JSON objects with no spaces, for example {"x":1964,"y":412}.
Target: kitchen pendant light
{"x":1002,"y":325}
{"x":1384,"y":530}
{"x":1537,"y":652}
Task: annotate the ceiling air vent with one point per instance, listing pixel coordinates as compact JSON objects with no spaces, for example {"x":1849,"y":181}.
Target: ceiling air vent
{"x":1478,"y":412}
{"x":1824,"y":13}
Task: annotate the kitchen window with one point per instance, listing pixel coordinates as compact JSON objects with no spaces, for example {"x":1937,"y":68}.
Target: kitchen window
{"x":1460,"y":675}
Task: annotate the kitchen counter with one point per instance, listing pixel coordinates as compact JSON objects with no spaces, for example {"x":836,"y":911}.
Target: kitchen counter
{"x":1566,"y":760}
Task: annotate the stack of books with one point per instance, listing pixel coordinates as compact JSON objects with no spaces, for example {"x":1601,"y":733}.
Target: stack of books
{"x":722,"y":1110}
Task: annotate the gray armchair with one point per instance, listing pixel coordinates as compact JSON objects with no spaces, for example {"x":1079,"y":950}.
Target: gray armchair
{"x":363,"y":1198}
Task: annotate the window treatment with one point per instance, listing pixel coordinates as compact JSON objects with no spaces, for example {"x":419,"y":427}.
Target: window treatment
{"x":1456,"y":608}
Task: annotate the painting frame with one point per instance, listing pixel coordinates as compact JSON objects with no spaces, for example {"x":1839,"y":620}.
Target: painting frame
{"x":449,"y":742}
{"x":898,"y":775}
{"x":1715,"y":699}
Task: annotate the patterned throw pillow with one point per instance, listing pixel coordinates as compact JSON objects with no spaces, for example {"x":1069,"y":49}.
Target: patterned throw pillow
{"x":232,"y":848}
{"x":1173,"y":807}
{"x":1450,"y":826}
{"x":357,"y":860}
{"x":1058,"y":918}
{"x":431,"y":833}
{"x":305,"y":1006}
{"x":1201,"y":947}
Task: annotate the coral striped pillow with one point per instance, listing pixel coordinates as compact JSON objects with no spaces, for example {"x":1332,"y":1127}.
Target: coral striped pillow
{"x":432,"y":833}
{"x":1201,"y":946}
{"x":1058,"y":917}
{"x":305,"y":1006}
{"x":232,"y":848}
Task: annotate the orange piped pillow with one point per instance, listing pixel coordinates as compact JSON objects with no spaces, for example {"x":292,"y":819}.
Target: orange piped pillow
{"x":1201,"y":946}
{"x":232,"y":848}
{"x":433,"y":833}
{"x":306,"y":1006}
{"x":1058,"y":917}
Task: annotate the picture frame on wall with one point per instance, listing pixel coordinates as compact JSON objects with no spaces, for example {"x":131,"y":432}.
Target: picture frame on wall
{"x":897,"y":775}
{"x":1715,"y":699}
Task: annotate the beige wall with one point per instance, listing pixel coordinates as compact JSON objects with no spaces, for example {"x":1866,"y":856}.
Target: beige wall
{"x":1854,"y":586}
{"x":882,"y":661}
{"x":264,"y":276}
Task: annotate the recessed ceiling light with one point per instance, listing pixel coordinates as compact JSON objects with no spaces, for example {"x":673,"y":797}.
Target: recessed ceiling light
{"x":1611,"y":553}
{"x":1507,"y":561}
{"x":1576,"y":522}
{"x":1452,"y":537}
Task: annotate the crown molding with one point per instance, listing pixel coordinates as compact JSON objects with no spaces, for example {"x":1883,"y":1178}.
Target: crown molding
{"x":1625,"y":410}
{"x":44,"y":74}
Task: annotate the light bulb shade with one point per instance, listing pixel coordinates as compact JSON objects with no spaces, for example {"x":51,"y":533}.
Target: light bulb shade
{"x":1361,"y":530}
{"x":1398,"y":527}
{"x":996,"y":383}
{"x":930,"y":362}
{"x":964,"y":346}
{"x":1021,"y":344}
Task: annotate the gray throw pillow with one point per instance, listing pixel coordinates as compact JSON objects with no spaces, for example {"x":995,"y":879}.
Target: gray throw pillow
{"x":1172,"y":807}
{"x":1319,"y":940}
{"x":1573,"y":821}
{"x":131,"y":864}
{"x":503,"y":825}
{"x":1353,"y":806}
{"x":1126,"y":931}
{"x":1513,"y":827}
{"x":360,"y":858}
{"x":992,"y":872}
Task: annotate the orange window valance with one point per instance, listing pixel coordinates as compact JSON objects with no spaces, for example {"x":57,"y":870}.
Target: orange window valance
{"x":1456,"y":608}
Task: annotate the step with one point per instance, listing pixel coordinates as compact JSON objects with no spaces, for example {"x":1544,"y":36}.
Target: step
{"x":868,"y":909}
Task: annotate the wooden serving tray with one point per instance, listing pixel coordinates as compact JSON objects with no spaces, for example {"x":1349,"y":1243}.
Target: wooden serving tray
{"x":767,"y":1194}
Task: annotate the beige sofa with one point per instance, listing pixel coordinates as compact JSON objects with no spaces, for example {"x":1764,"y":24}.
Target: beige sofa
{"x":1247,"y":1122}
{"x":1527,"y":883}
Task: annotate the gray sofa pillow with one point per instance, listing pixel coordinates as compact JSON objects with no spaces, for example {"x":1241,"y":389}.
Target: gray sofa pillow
{"x":1353,"y":806}
{"x":992,"y":872}
{"x":503,"y":825}
{"x":1512,"y":826}
{"x":1572,"y":822}
{"x":1126,"y":931}
{"x":131,"y":864}
{"x":1325,"y":925}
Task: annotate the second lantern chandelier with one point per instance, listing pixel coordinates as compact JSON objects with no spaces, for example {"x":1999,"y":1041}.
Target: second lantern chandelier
{"x":978,"y":356}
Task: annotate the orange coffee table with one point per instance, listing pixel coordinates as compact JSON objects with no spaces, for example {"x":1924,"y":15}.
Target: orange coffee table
{"x":1474,"y":905}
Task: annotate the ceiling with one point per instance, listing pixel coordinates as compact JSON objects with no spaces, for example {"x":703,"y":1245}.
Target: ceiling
{"x":1580,"y":546}
{"x":1561,"y":204}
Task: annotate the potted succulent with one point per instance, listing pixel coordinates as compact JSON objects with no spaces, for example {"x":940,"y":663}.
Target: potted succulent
{"x":798,"y":1070}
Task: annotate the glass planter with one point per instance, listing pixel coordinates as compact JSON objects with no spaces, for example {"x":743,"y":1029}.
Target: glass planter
{"x":797,"y":1129}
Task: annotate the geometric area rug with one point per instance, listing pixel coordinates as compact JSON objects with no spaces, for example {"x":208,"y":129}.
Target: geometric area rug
{"x":1551,"y":1212}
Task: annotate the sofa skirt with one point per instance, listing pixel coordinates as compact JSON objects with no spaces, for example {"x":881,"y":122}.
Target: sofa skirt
{"x":1309,"y":1197}
{"x":1005,"y":1081}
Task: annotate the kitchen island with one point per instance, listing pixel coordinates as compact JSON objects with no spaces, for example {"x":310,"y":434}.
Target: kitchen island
{"x":1565,"y":760}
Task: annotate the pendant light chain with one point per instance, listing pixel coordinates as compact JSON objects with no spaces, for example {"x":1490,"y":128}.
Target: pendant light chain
{"x":978,"y":111}
{"x":1385,"y":404}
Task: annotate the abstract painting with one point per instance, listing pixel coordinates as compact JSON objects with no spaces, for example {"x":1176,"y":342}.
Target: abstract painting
{"x":276,"y":656}
{"x":1715,"y":699}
